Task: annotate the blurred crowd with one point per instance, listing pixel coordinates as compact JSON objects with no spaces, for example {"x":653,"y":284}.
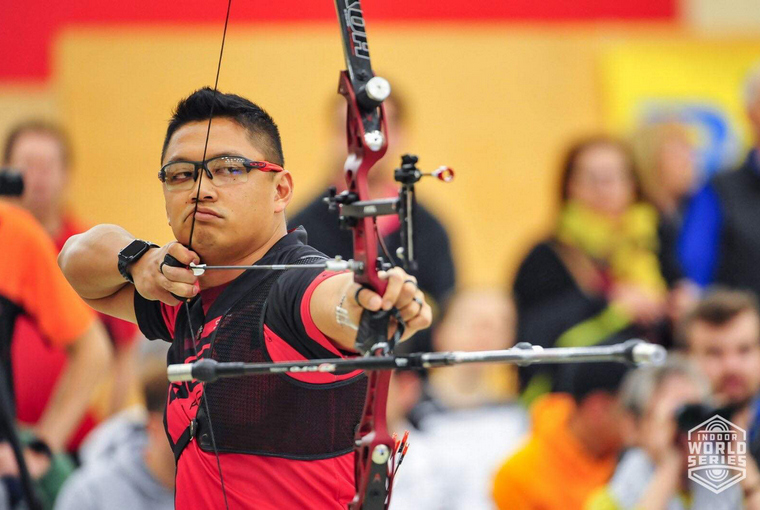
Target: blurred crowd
{"x":644,"y":246}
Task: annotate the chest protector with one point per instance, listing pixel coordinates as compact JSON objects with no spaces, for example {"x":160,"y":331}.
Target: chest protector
{"x":274,"y":414}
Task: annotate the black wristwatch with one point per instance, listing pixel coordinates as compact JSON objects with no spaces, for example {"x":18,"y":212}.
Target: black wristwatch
{"x":132,"y":254}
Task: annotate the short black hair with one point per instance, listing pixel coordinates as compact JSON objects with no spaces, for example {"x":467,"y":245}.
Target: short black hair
{"x":583,"y":379}
{"x":262,"y":130}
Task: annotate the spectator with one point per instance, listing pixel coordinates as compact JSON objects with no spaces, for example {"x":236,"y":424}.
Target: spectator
{"x":597,"y":278}
{"x":574,"y":444}
{"x":479,"y":423}
{"x":34,"y":292}
{"x":436,"y":277}
{"x":667,"y":167}
{"x":720,"y":242}
{"x":722,"y":337}
{"x":652,"y":474}
{"x":42,"y":152}
{"x":475,"y":320}
{"x":139,"y":475}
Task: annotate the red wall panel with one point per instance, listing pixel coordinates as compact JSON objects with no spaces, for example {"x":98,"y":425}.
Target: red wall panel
{"x":27,"y":28}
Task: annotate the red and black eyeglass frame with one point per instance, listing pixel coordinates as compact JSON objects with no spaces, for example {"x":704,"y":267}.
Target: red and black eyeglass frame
{"x":249,"y":164}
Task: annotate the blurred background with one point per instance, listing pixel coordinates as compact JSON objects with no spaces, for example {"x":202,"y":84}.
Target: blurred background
{"x":607,"y":174}
{"x":495,"y":90}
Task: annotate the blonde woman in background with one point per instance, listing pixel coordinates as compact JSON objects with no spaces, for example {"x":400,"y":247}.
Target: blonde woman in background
{"x":665,"y":157}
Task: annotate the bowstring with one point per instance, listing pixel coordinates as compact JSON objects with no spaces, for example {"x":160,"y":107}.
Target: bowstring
{"x":190,"y":247}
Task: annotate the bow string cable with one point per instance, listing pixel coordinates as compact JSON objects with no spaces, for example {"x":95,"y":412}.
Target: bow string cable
{"x":196,"y":338}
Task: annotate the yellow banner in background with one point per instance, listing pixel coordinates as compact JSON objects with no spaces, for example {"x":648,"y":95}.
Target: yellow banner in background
{"x":697,"y":83}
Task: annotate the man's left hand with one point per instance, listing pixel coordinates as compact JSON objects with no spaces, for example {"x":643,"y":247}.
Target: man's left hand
{"x":403,"y":294}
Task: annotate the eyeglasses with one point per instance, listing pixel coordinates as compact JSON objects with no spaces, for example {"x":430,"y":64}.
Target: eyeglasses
{"x":222,"y":170}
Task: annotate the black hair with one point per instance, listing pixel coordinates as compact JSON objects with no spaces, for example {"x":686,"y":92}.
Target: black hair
{"x":262,"y":131}
{"x":583,"y":379}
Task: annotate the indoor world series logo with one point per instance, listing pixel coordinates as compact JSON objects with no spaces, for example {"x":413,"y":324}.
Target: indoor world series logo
{"x":717,"y":456}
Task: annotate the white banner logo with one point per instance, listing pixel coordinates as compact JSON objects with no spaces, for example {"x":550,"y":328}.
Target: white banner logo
{"x":717,"y":454}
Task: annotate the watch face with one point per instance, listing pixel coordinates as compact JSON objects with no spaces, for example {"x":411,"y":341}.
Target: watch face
{"x":133,"y":249}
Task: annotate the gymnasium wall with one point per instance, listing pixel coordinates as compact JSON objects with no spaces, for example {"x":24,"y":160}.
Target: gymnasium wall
{"x":495,"y":93}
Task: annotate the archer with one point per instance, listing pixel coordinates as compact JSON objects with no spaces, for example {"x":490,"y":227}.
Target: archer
{"x":283,"y":441}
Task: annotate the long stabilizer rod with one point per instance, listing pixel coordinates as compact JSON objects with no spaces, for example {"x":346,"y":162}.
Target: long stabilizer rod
{"x":636,"y":352}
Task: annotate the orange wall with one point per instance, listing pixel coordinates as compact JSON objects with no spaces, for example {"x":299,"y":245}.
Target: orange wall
{"x":497,"y":103}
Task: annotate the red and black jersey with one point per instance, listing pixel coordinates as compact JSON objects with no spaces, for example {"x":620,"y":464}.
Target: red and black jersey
{"x":285,"y":440}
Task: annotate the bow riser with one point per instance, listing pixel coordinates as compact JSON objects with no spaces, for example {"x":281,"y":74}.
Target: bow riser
{"x":361,"y":159}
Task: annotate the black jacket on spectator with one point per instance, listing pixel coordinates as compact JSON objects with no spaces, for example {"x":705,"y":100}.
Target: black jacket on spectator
{"x":549,"y":302}
{"x":739,"y":193}
{"x":668,"y":230}
{"x":435,"y":274}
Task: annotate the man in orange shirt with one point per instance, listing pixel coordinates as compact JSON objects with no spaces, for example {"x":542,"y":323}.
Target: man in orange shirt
{"x":42,"y":152}
{"x":33,"y":291}
{"x":574,"y":445}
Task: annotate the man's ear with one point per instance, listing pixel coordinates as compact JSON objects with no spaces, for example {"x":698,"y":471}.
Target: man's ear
{"x":283,"y":190}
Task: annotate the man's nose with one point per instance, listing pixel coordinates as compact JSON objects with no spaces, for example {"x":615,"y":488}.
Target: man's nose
{"x":734,"y":362}
{"x":207,"y":189}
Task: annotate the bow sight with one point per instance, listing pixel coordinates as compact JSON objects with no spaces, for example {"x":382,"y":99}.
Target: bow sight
{"x":352,"y":209}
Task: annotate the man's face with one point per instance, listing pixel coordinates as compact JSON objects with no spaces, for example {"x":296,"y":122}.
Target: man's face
{"x":39,"y":157}
{"x":235,"y":220}
{"x":729,"y":355}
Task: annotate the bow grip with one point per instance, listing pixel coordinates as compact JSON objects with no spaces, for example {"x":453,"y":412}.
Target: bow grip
{"x":173,"y":262}
{"x":373,"y":331}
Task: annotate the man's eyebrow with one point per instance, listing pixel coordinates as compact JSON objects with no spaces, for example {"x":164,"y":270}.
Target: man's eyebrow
{"x":209,"y":156}
{"x":234,"y":154}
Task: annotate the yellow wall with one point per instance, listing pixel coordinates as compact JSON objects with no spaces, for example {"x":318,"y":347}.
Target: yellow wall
{"x":496,"y":103}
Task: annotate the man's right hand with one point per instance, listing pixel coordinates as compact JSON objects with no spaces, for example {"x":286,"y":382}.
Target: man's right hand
{"x":158,"y":282}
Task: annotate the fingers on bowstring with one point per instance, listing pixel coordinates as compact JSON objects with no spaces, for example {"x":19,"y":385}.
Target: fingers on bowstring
{"x":182,"y":254}
{"x":177,"y":274}
{"x":187,"y":290}
{"x":179,"y":281}
{"x":401,"y":289}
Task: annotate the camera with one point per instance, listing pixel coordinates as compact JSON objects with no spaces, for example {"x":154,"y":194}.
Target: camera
{"x":692,"y":415}
{"x":11,"y":183}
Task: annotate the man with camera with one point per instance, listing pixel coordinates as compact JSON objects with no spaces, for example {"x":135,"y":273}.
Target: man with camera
{"x":34,"y":294}
{"x":652,"y":473}
{"x":721,"y":335}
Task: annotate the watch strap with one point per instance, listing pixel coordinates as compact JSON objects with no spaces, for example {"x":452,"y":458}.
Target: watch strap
{"x":125,"y":261}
